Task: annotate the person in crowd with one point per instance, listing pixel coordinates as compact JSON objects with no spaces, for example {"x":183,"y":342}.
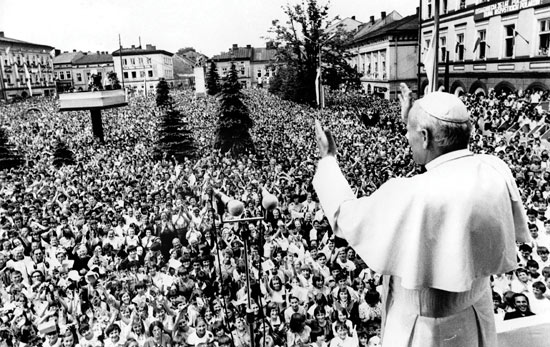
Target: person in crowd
{"x":521,"y":307}
{"x":123,"y":239}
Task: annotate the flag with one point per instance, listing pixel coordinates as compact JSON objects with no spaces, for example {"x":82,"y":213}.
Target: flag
{"x":16,"y":69}
{"x":516,"y":33}
{"x":27,"y":75}
{"x":8,"y":57}
{"x":476,"y":45}
{"x":429,"y":64}
{"x":317,"y":82}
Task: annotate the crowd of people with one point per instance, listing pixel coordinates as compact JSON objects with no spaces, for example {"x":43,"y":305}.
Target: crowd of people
{"x":122,"y":250}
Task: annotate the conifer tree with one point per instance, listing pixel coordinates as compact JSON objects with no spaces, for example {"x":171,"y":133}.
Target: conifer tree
{"x":234,"y":122}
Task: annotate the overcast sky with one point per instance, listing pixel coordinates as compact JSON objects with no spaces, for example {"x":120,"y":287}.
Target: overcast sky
{"x":210,"y":26}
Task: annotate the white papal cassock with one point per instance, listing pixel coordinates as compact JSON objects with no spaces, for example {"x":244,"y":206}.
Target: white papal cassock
{"x":436,"y":237}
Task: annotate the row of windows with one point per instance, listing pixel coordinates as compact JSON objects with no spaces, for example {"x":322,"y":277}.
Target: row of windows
{"x":444,"y":6}
{"x":139,"y":60}
{"x":510,"y":38}
{"x":135,"y":75}
{"x":34,"y":79}
{"x":28,"y":59}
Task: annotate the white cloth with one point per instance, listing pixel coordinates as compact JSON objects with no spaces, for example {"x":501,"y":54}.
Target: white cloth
{"x":447,"y":230}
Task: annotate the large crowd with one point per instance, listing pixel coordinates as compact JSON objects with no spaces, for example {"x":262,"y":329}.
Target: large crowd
{"x":122,"y":250}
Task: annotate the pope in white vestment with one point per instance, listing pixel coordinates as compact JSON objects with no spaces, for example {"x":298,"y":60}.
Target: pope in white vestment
{"x":436,"y":237}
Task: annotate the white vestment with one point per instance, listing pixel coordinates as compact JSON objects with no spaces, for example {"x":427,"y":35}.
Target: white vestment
{"x":437,"y":237}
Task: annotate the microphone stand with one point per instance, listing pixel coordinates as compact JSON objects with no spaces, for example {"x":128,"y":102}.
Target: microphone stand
{"x":245,"y":241}
{"x":214,"y":232}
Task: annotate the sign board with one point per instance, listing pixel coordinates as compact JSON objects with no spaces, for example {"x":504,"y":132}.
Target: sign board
{"x":506,"y":7}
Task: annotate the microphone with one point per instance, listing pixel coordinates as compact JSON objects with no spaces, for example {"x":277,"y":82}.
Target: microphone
{"x":234,"y":207}
{"x":269,"y":201}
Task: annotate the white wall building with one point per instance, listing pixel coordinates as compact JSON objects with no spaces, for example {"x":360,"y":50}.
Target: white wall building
{"x":503,"y":44}
{"x":142,"y":68}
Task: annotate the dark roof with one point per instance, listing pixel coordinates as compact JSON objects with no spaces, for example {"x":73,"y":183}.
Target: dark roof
{"x":247,"y":53}
{"x":67,"y":57}
{"x":240,"y":53}
{"x":264,"y":54}
{"x":93,"y":59}
{"x":141,"y":51}
{"x":8,"y":40}
{"x":409,"y":23}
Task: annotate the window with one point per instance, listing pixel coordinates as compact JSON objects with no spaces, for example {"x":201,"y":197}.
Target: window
{"x":133,"y":61}
{"x":140,"y":60}
{"x":445,"y":6}
{"x":68,"y":75}
{"x":460,"y":46}
{"x":125,"y":74}
{"x":482,"y":34}
{"x":150,"y":73}
{"x":443,"y":47}
{"x":148,"y":60}
{"x":125,"y":61}
{"x":462,"y":4}
{"x":79,"y":77}
{"x":259,"y":73}
{"x":544,"y":37}
{"x":134,"y":74}
{"x":509,"y":32}
{"x":61,"y":75}
{"x":429,"y":8}
{"x":142,"y":74}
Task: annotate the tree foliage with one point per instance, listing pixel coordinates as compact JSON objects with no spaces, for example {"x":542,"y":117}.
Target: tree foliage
{"x":174,"y":138}
{"x":212,"y":79}
{"x":308,"y":33}
{"x":163,"y":94}
{"x":9,"y":158}
{"x":184,"y":50}
{"x":234,"y":122}
{"x":62,"y":155}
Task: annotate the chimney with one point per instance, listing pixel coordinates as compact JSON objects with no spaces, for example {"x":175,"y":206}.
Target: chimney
{"x":1,"y":34}
{"x":97,"y":52}
{"x":417,"y":10}
{"x":383,"y":14}
{"x":353,"y":17}
{"x":148,"y":47}
{"x":248,"y":46}
{"x":133,"y":46}
{"x":153,"y":47}
{"x":371,"y":19}
{"x":235,"y":46}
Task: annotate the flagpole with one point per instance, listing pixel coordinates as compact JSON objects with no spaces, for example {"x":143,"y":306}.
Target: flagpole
{"x":121,"y":66}
{"x":435,"y":80}
{"x":419,"y":65}
{"x":2,"y":85}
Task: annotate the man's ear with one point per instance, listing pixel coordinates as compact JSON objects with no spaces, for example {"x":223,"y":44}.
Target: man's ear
{"x":425,"y":138}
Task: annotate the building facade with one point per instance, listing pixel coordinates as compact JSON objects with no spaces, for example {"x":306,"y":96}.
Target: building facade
{"x":23,"y":65}
{"x":255,"y":66}
{"x":63,"y":70}
{"x":99,"y":63}
{"x":142,"y":68}
{"x":502,"y":45}
{"x":385,"y":52}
